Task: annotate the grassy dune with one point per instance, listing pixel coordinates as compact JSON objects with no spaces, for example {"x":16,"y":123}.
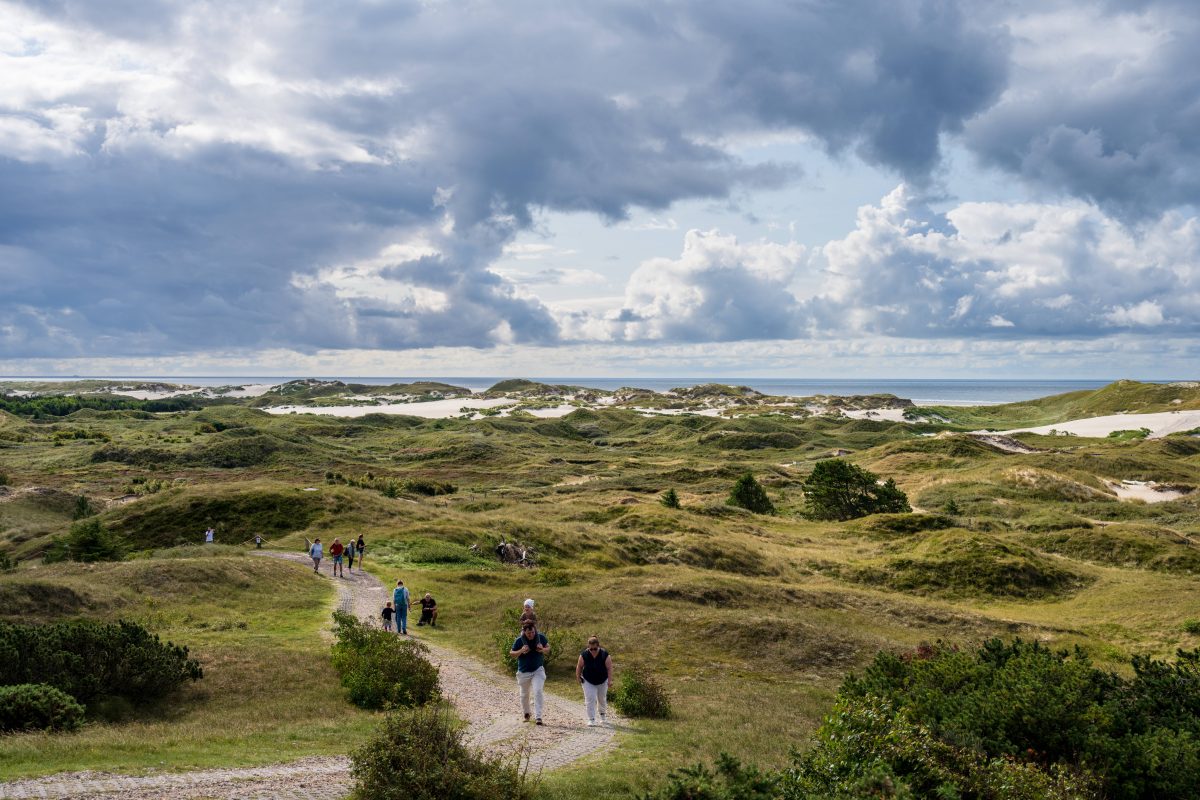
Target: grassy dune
{"x":751,"y":621}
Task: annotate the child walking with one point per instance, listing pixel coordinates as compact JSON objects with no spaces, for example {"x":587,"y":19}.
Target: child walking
{"x":388,"y":613}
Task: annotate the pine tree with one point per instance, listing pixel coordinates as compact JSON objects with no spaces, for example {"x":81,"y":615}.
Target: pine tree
{"x":749,"y":494}
{"x":840,"y":490}
{"x":670,"y":499}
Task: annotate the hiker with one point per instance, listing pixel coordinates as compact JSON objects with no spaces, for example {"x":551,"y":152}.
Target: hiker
{"x":530,"y":650}
{"x":388,"y":613}
{"x":428,"y":611}
{"x":314,"y":552}
{"x":258,"y":540}
{"x":594,"y":671}
{"x":527,"y":612}
{"x":209,"y":535}
{"x":400,"y":598}
{"x":350,"y":555}
{"x":336,"y":550}
{"x":361,"y":546}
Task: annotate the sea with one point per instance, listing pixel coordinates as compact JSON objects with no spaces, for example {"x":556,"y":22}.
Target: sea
{"x":921,"y":391}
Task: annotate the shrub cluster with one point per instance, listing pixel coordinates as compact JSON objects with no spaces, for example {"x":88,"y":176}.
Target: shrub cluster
{"x":639,"y":694}
{"x":390,"y":487}
{"x":839,"y":490}
{"x":420,"y":754}
{"x":38,"y":707}
{"x":88,"y":541}
{"x":1016,"y":721}
{"x":380,"y":669}
{"x":89,"y":659}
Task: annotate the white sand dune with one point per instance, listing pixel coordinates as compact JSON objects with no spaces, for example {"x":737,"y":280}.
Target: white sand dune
{"x":1160,"y":424}
{"x":878,"y":414}
{"x":434,"y":409}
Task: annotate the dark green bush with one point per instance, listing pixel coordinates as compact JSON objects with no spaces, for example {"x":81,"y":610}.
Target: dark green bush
{"x":1025,"y":703}
{"x":6,"y":562}
{"x":839,"y":490}
{"x":430,"y":488}
{"x":87,"y":541}
{"x":729,"y":781}
{"x":670,"y":499}
{"x":380,"y":669}
{"x":89,"y":659}
{"x":38,"y":707}
{"x":1191,"y":626}
{"x":420,"y":754}
{"x":749,"y":494}
{"x":639,"y":694}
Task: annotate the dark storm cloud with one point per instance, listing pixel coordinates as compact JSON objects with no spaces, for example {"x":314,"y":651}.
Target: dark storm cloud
{"x":188,"y":176}
{"x":886,"y":78}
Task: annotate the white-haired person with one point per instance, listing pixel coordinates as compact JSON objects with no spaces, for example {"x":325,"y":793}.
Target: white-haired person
{"x":527,"y":612}
{"x":594,"y":670}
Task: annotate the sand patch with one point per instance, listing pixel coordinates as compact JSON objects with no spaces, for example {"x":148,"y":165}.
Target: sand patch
{"x":1161,"y":424}
{"x":1146,"y":491}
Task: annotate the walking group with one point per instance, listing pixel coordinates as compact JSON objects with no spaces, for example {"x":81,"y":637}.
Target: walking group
{"x":593,"y":670}
{"x":342,"y":555}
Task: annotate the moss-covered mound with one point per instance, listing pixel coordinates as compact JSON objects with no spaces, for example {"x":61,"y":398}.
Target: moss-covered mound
{"x":1145,"y":546}
{"x":960,"y":562}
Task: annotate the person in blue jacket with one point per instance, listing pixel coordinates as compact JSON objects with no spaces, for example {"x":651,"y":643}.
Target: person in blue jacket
{"x":400,"y":601}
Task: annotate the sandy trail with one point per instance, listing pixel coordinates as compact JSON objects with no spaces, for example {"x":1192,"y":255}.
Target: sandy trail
{"x":484,"y":698}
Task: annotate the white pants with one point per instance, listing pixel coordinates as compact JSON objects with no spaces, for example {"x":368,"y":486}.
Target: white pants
{"x":593,"y":694}
{"x":532,"y":680}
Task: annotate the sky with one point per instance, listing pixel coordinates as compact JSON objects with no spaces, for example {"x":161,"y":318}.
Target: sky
{"x":783,"y":188}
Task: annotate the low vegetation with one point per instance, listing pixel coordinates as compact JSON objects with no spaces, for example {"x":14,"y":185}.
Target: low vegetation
{"x":379,"y":669}
{"x":38,"y":707}
{"x":1022,"y":540}
{"x":420,"y":755}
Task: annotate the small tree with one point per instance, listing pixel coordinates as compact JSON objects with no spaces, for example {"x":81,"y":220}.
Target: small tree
{"x":840,"y":490}
{"x":83,"y":508}
{"x":670,"y":499}
{"x":749,"y":494}
{"x":87,"y":541}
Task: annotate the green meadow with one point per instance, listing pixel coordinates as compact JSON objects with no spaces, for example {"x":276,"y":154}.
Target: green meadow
{"x":751,"y":621}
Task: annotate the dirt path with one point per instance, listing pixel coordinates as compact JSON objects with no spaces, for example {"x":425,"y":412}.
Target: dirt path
{"x":484,"y":698}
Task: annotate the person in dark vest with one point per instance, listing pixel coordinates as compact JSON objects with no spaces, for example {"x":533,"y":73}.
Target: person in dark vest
{"x":594,"y":671}
{"x":530,"y":650}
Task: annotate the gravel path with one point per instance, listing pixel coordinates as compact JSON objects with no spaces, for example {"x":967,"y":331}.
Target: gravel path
{"x":485,"y":699}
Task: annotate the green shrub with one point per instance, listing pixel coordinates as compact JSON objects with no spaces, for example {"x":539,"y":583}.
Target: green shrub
{"x":839,"y":490}
{"x":670,"y":499}
{"x":87,"y":541}
{"x":1191,"y":626}
{"x":83,"y":508}
{"x":38,"y":707}
{"x":6,"y":562}
{"x":944,"y":716}
{"x":749,"y":494}
{"x":430,"y":488}
{"x":639,"y":694}
{"x":420,"y":755}
{"x":729,"y":781}
{"x":89,"y":659}
{"x":3,"y":478}
{"x":380,"y":669}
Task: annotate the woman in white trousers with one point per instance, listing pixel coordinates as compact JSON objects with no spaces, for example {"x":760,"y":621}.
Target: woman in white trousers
{"x":594,"y":671}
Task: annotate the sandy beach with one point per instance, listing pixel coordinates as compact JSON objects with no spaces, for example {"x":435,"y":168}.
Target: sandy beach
{"x":1160,"y":424}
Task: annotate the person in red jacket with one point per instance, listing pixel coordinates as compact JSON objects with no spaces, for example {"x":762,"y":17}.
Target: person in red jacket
{"x":336,"y":550}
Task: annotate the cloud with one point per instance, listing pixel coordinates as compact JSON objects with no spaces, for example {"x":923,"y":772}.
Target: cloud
{"x":1101,"y":106}
{"x":988,"y":270}
{"x":186,"y":176}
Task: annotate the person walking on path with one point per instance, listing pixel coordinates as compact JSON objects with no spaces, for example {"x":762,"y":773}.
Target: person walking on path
{"x":336,"y":550}
{"x":361,"y":546}
{"x":594,"y":671}
{"x":315,"y":552}
{"x":400,"y":599}
{"x":258,"y":540}
{"x":209,"y":536}
{"x":350,"y":555}
{"x":530,"y":650}
{"x":388,"y":613}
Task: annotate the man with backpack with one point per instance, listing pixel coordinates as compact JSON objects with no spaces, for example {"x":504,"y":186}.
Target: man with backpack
{"x":530,"y":651}
{"x":400,"y":601}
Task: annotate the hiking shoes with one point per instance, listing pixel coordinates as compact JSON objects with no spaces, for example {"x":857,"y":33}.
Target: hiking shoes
{"x":539,"y":720}
{"x":527,"y":715}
